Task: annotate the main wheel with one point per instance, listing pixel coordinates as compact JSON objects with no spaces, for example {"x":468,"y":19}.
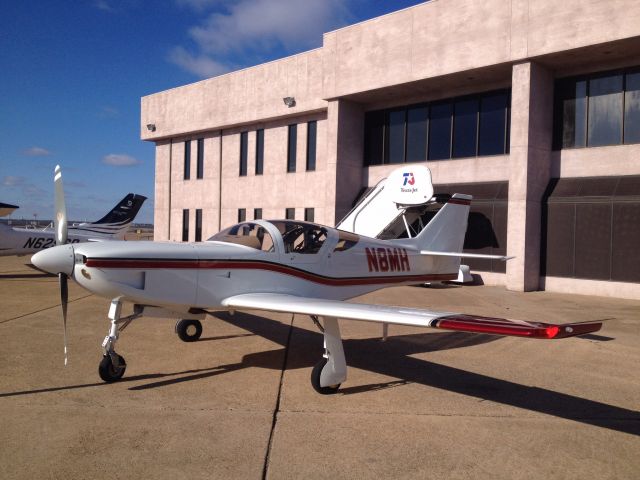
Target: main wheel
{"x":189,"y":330}
{"x":108,"y":372}
{"x":315,"y":379}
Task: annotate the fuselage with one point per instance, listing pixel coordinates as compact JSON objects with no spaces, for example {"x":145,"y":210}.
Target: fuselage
{"x":290,"y":257}
{"x":23,"y":241}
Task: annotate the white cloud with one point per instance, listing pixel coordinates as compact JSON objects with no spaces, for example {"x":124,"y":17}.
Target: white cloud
{"x":120,"y":160}
{"x":109,"y":112}
{"x":251,"y":28}
{"x":197,"y":5}
{"x":102,"y":5}
{"x":36,"y":152}
{"x":199,"y":65}
{"x":12,"y":181}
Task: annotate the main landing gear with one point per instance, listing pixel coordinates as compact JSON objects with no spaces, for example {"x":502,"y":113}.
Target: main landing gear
{"x":329,"y":373}
{"x":189,"y":330}
{"x":112,"y":366}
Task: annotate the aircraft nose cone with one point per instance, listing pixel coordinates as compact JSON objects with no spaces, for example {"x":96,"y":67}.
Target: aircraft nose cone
{"x":55,"y":259}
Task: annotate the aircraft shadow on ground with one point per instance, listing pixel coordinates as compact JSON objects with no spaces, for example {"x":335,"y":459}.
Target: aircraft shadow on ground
{"x":393,"y":358}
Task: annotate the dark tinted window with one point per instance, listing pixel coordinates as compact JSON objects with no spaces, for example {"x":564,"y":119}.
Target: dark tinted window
{"x":242,"y":214}
{"x":394,"y":145}
{"x":309,"y":215}
{"x":244,"y":140}
{"x":493,"y":124}
{"x":185,"y":225}
{"x":574,"y":113}
{"x":374,"y":137}
{"x":440,"y":131}
{"x":312,"y":128}
{"x":632,"y":108}
{"x":465,"y":128}
{"x":598,"y":109}
{"x":198,"y":225}
{"x":291,"y":148}
{"x":259,"y":152}
{"x":200,"y":166}
{"x":605,"y":110}
{"x":257,"y":213}
{"x":417,"y":118}
{"x":187,"y":160}
{"x":290,"y":213}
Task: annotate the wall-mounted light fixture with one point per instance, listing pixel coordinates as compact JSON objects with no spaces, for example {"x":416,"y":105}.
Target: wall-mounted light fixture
{"x":289,"y":101}
{"x":151,"y":127}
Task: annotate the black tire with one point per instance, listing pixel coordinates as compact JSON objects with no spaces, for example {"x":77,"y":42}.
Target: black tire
{"x":315,"y":379}
{"x":189,"y":330}
{"x":108,"y":372}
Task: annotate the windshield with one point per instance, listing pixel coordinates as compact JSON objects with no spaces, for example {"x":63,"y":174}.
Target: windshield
{"x":248,"y":234}
{"x":299,"y":237}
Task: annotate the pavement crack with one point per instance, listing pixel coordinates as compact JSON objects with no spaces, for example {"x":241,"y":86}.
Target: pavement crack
{"x":42,"y":309}
{"x":276,"y":410}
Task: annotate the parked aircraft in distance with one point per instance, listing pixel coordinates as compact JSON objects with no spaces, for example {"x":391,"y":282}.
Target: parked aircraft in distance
{"x":114,"y":225}
{"x":279,"y":266}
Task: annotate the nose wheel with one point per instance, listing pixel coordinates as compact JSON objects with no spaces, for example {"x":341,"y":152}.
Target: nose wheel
{"x":112,"y":369}
{"x":189,"y":330}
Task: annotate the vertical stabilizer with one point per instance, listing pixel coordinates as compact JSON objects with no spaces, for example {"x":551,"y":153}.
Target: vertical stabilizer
{"x":446,"y":230}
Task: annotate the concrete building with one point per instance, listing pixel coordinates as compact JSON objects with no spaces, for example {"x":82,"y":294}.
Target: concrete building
{"x":532,"y":106}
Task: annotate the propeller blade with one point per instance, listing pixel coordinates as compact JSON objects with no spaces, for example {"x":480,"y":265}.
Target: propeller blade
{"x":60,"y":220}
{"x":64,"y":297}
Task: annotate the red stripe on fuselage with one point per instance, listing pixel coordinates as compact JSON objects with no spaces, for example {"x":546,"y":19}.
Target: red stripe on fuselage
{"x":148,"y":264}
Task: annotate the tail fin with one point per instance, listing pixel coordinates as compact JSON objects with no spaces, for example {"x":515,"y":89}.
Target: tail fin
{"x":116,"y":222}
{"x":446,"y":230}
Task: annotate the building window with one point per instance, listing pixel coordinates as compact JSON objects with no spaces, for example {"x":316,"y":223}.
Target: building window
{"x":465,"y":127}
{"x":292,"y":145}
{"x":440,"y":131}
{"x":606,"y":102}
{"x":244,"y":137}
{"x":187,"y":160}
{"x":309,"y":215}
{"x":312,"y":132}
{"x":417,"y":123}
{"x":257,"y":214}
{"x":185,"y":225}
{"x":259,"y":152}
{"x":200,"y":167}
{"x":632,"y":107}
{"x":394,"y":139}
{"x":374,"y":137}
{"x":492,"y":130}
{"x":597,"y":110}
{"x":242,"y":214}
{"x":452,"y":128}
{"x":198,"y":225}
{"x":290,"y":214}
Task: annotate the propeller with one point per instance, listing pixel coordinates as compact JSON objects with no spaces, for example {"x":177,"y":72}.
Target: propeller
{"x":60,"y":224}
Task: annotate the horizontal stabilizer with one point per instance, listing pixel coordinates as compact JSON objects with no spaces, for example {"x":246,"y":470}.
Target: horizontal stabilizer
{"x":465,"y":255}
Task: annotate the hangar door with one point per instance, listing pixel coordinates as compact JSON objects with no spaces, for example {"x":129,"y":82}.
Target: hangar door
{"x":591,"y":228}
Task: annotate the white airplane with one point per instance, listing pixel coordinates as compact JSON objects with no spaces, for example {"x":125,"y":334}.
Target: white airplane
{"x":279,"y":266}
{"x":114,"y":225}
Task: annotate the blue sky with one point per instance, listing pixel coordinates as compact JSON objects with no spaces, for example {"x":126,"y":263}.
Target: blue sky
{"x":73,"y":73}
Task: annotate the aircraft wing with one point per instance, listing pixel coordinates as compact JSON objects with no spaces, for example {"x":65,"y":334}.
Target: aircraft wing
{"x":406,"y":316}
